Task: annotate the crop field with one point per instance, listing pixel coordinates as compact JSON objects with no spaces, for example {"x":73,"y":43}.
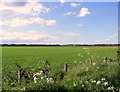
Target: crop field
{"x":60,"y":68}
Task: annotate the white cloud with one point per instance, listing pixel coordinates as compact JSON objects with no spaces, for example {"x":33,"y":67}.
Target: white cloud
{"x":112,"y":38}
{"x":74,"y":4}
{"x":83,"y":12}
{"x":16,"y":22}
{"x":29,"y":8}
{"x":62,"y":1}
{"x":20,"y":22}
{"x":23,"y":36}
{"x":32,"y":8}
{"x":69,"y":13}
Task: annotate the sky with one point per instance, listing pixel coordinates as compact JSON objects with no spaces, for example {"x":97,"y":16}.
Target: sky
{"x":59,"y":22}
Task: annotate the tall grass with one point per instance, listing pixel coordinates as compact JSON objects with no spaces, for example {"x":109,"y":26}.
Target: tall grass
{"x":86,"y":69}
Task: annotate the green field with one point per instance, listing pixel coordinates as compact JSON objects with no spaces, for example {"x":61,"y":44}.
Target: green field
{"x":85,"y":64}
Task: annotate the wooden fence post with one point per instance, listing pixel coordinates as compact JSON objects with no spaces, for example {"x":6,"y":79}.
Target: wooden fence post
{"x":19,"y":76}
{"x":65,"y":67}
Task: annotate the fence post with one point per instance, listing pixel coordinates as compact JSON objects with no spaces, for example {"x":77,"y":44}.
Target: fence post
{"x":19,"y":76}
{"x":65,"y":67}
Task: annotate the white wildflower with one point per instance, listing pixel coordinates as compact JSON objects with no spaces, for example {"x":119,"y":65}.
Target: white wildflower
{"x":35,"y":80}
{"x":103,"y":79}
{"x":41,"y":72}
{"x":42,"y":78}
{"x":91,"y":79}
{"x":112,"y":88}
{"x":50,"y":80}
{"x":98,"y":82}
{"x":36,"y":74}
{"x":23,"y":89}
{"x":105,"y":83}
{"x":109,"y":88}
{"x":94,"y":81}
{"x":98,"y":67}
{"x":83,"y":85}
{"x":47,"y":80}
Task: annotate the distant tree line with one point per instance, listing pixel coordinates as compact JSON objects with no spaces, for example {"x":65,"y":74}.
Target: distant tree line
{"x":59,"y":45}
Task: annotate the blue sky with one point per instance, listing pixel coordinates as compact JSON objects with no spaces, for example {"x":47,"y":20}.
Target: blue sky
{"x":59,"y":23}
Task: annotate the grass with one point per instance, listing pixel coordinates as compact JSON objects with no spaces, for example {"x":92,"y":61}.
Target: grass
{"x":81,"y":71}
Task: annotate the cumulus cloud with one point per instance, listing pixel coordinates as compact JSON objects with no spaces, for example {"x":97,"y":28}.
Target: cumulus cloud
{"x":23,"y":36}
{"x":83,"y":12}
{"x":16,"y":22}
{"x":69,"y":13}
{"x":62,"y":1}
{"x":32,"y":8}
{"x":20,"y":22}
{"x":74,"y":4}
